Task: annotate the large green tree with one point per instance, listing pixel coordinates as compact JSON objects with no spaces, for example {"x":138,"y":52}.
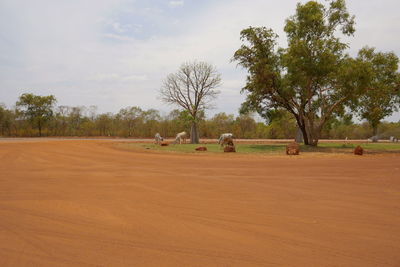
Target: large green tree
{"x":382,"y":93}
{"x":313,"y":78}
{"x":37,"y":109}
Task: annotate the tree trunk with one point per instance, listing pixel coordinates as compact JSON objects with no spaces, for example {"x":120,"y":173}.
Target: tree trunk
{"x":374,"y":129}
{"x":302,"y":127}
{"x":40,"y":128}
{"x":374,"y":132}
{"x":299,"y":135}
{"x":305,"y":134}
{"x":314,"y":134}
{"x":310,"y":134}
{"x":194,"y":134}
{"x":314,"y":141}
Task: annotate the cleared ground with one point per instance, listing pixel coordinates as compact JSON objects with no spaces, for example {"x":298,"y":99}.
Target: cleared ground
{"x":93,"y":203}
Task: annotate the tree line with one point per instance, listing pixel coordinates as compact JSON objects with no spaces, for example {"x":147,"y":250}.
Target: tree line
{"x":35,"y":116}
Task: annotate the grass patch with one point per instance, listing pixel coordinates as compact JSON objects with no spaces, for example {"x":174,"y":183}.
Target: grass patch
{"x":268,"y":148}
{"x":347,"y":148}
{"x":213,"y":148}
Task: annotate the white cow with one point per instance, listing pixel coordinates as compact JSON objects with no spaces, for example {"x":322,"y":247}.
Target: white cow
{"x":373,"y":139}
{"x":180,"y":137}
{"x":225,"y":138}
{"x":158,"y":138}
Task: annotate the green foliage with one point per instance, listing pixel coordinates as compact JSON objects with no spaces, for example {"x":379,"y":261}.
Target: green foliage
{"x":381,"y":97}
{"x":37,"y":109}
{"x":7,"y":121}
{"x":218,"y":124}
{"x":130,"y":118}
{"x":312,"y":78}
{"x":281,"y":123}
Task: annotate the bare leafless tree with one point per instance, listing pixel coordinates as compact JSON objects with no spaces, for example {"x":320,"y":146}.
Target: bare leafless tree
{"x":192,"y":87}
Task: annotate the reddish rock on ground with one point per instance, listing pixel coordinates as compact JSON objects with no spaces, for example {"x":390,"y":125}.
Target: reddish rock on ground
{"x":293,"y":149}
{"x":163,"y":144}
{"x":358,"y":151}
{"x":201,"y":148}
{"x":229,"y":148}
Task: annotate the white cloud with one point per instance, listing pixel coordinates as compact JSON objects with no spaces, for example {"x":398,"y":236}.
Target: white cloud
{"x":118,"y":37}
{"x":120,"y":28}
{"x":117,"y":77}
{"x":176,"y":3}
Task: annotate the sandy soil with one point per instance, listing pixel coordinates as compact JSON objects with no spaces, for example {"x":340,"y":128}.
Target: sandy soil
{"x":87,"y":203}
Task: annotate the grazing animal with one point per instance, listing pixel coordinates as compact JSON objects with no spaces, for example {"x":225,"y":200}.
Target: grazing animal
{"x":373,"y":139}
{"x":346,"y":141}
{"x":180,"y":137}
{"x":225,"y":138}
{"x":158,"y":138}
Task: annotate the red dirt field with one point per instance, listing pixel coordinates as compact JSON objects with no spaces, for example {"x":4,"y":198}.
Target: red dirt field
{"x":87,"y":203}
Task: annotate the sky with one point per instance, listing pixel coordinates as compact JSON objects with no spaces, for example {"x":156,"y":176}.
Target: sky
{"x":116,"y":53}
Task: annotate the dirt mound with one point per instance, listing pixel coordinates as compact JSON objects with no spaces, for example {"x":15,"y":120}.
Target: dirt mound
{"x":358,"y":151}
{"x":229,"y":148}
{"x":230,"y":143}
{"x":293,"y":149}
{"x":164,"y":144}
{"x":201,"y":148}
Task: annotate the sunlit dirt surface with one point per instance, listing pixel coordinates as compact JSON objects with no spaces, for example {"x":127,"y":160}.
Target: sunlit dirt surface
{"x":89,"y":203}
